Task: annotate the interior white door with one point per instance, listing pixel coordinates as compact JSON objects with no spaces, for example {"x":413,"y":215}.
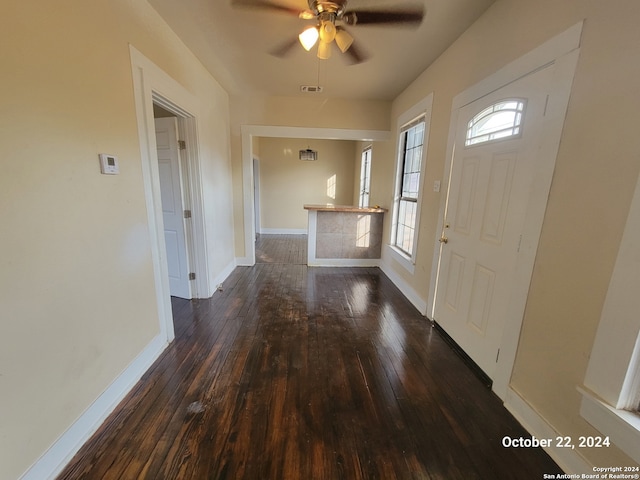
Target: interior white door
{"x":489,"y":191}
{"x":172,"y":206}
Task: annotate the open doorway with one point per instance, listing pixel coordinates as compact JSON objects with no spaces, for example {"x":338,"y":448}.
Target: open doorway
{"x":149,"y":80}
{"x":176,"y":212}
{"x":248,"y":134}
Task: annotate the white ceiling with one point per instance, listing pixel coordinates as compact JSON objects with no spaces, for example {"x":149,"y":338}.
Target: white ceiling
{"x":234,"y":45}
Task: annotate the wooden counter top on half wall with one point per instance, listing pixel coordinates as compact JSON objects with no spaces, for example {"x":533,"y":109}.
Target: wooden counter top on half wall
{"x":345,"y":208}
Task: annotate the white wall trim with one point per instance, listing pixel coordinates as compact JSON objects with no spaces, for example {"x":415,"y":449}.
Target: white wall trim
{"x":406,"y":289}
{"x":544,"y":54}
{"x":568,"y":459}
{"x":621,"y":426}
{"x":144,"y":115}
{"x":400,"y":257}
{"x":344,"y":262}
{"x":224,"y":274}
{"x":246,"y":261}
{"x":51,"y":463}
{"x":320,"y":133}
{"x":250,"y":131}
{"x":283,"y":231}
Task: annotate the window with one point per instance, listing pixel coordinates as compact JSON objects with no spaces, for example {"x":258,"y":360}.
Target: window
{"x":413,"y":138}
{"x":499,"y":121}
{"x":365,"y":177}
{"x":410,"y":160}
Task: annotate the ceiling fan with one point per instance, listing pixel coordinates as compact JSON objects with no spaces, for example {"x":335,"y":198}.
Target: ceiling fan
{"x":330,"y":15}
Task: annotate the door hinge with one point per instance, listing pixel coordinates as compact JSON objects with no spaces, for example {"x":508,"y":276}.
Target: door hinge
{"x":497,"y":355}
{"x":182,"y":145}
{"x":187,"y":214}
{"x":192,"y":276}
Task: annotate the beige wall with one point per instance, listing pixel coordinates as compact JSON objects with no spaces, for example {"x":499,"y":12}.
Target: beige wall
{"x":287,"y":183}
{"x":596,"y":172}
{"x":77,"y":287}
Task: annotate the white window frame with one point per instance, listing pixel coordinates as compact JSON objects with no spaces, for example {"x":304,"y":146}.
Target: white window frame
{"x":365,"y":177}
{"x":611,"y":393}
{"x":421,"y":109}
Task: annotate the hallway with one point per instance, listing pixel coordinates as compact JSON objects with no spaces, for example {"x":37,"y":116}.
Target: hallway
{"x":292,"y":372}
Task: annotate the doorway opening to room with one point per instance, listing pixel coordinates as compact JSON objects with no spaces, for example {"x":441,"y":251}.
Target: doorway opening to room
{"x":252,"y":132}
{"x":176,"y":101}
{"x":173,"y":173}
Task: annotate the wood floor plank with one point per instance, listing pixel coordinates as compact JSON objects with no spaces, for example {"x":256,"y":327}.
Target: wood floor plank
{"x":290,"y":372}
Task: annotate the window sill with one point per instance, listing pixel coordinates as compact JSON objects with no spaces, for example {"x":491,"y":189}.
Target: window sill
{"x":402,"y":258}
{"x":622,"y":426}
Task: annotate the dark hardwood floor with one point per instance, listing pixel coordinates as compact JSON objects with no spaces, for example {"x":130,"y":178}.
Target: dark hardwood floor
{"x":305,"y":373}
{"x":282,"y":249}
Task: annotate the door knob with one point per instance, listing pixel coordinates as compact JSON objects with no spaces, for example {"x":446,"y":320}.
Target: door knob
{"x":443,"y":239}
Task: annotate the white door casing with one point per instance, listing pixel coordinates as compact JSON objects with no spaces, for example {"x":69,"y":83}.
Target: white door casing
{"x":559,"y":56}
{"x":256,"y":196}
{"x":172,"y":206}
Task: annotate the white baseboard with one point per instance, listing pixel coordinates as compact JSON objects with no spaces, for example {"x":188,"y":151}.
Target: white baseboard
{"x":413,"y":296}
{"x":344,"y":262}
{"x":244,"y":262}
{"x":567,"y":459}
{"x":51,"y":463}
{"x":222,"y":276}
{"x":283,"y":231}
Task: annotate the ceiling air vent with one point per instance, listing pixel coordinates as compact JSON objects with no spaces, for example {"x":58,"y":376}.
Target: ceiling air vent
{"x":311,"y":88}
{"x":308,"y":155}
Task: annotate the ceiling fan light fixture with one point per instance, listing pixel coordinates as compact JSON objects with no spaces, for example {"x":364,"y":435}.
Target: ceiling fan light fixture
{"x":343,"y":40}
{"x":308,"y":37}
{"x":324,"y":50}
{"x":327,"y":31}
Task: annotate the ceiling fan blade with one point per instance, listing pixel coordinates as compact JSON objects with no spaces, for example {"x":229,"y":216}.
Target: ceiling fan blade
{"x":345,"y":41}
{"x":356,"y":55}
{"x":409,"y":16}
{"x":267,"y":5}
{"x":285,"y":48}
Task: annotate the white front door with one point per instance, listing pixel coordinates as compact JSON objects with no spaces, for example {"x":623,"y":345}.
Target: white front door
{"x":172,"y":206}
{"x":489,"y":193}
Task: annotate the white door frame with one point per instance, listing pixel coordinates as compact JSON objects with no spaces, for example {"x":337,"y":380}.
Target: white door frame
{"x":250,"y":131}
{"x":153,"y":85}
{"x":256,"y":196}
{"x":562,"y":50}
